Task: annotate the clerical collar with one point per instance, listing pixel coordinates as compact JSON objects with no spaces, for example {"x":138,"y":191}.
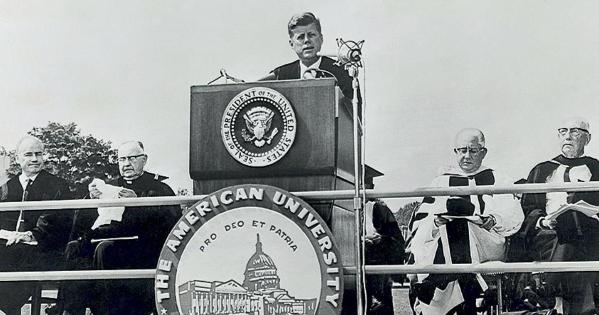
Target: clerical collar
{"x":130,"y":181}
{"x":304,"y":68}
{"x":23,"y":179}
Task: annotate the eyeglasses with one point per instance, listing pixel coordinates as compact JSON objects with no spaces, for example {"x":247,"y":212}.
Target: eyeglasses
{"x":575,"y":132}
{"x":465,"y":150}
{"x":129,"y":158}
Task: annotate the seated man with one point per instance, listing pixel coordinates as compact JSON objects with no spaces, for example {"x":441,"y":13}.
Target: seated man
{"x":573,"y":236}
{"x":33,"y":240}
{"x":384,"y":245}
{"x":305,"y":38}
{"x":114,"y":238}
{"x":460,"y":230}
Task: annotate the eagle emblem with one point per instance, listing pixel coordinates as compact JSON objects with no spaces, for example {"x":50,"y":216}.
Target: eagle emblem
{"x":258,"y":121}
{"x":258,"y":127}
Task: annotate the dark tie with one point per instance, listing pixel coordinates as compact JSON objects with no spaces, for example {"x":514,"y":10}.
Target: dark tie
{"x":24,"y":198}
{"x":567,"y":180}
{"x":27,"y":188}
{"x":569,"y":199}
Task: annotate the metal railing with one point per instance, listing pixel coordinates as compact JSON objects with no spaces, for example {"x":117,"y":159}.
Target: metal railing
{"x":482,"y":268}
{"x":307,"y":195}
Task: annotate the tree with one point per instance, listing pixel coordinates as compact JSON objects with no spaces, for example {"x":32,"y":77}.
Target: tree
{"x":404,"y":214}
{"x":75,"y":157}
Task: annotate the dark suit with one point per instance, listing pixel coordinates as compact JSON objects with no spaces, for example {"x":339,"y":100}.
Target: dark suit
{"x":50,"y":228}
{"x":291,"y":71}
{"x":150,"y":224}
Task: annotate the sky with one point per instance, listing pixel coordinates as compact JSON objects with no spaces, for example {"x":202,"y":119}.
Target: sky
{"x":122,"y":70}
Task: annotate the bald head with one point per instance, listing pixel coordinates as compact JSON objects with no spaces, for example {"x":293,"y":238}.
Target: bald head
{"x":469,"y":135}
{"x":574,"y":134}
{"x":30,"y":155}
{"x":575,"y":122}
{"x":470,"y":149}
{"x":27,"y":141}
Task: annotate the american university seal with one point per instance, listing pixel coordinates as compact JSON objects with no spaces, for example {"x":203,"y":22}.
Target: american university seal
{"x":249,"y":249}
{"x":258,"y":127}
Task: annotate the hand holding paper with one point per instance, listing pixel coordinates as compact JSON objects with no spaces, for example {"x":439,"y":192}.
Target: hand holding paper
{"x":104,"y":191}
{"x":13,"y":237}
{"x":581,"y":206}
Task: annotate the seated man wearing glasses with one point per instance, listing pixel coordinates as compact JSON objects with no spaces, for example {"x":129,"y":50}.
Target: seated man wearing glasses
{"x":572,"y":236}
{"x":460,"y":229}
{"x":120,"y":238}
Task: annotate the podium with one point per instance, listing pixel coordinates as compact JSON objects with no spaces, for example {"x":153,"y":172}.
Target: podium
{"x":321,"y":157}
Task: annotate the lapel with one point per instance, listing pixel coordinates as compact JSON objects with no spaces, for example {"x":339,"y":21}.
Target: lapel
{"x":295,"y":70}
{"x":42,"y":188}
{"x":326,"y":63}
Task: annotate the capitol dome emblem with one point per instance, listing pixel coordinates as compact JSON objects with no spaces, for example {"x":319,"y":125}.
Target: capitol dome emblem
{"x":258,"y":127}
{"x":250,"y":249}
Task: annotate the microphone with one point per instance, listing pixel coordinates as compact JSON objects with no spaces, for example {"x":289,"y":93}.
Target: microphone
{"x":317,"y":73}
{"x":349,"y":53}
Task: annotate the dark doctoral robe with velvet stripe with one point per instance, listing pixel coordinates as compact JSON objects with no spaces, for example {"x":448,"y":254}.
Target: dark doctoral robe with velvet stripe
{"x":576,"y":236}
{"x":459,"y":241}
{"x":49,"y":227}
{"x":151,"y":224}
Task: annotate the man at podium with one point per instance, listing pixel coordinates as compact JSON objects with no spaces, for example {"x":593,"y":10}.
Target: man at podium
{"x":305,"y":39}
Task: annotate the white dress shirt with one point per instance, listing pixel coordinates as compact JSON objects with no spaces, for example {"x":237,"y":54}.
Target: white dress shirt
{"x":304,"y":68}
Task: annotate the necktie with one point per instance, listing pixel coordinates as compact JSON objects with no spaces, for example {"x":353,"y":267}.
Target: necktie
{"x":309,"y":74}
{"x":569,"y":199}
{"x":24,"y":198}
{"x":567,"y":180}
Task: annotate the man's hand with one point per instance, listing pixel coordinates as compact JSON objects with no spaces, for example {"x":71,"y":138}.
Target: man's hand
{"x":18,"y":237}
{"x":94,"y":192}
{"x":372,"y":239}
{"x":440,"y":221}
{"x":127,"y":193}
{"x":488,"y":222}
{"x":547,"y":224}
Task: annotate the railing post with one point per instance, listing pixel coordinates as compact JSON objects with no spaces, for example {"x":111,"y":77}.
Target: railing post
{"x":499,"y":295}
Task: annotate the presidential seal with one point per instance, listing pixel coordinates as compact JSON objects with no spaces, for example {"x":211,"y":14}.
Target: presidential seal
{"x":258,"y":127}
{"x":249,"y":249}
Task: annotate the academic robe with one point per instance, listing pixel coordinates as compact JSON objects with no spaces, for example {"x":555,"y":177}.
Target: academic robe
{"x":384,"y":246}
{"x":50,"y":228}
{"x":150,"y":224}
{"x":459,"y":241}
{"x":576,"y":236}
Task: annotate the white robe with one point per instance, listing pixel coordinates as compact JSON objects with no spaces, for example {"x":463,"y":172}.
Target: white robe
{"x":484,"y":245}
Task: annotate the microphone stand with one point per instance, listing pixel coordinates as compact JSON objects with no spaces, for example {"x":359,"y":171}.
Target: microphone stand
{"x":358,"y":202}
{"x":350,"y":57}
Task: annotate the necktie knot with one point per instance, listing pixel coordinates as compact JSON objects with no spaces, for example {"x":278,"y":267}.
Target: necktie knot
{"x":309,"y":74}
{"x":29,"y":183}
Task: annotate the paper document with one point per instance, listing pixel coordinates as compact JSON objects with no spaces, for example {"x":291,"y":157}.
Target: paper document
{"x":107,"y":214}
{"x":472,"y":218}
{"x":122,"y":238}
{"x":581,"y":206}
{"x":6,"y":235}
